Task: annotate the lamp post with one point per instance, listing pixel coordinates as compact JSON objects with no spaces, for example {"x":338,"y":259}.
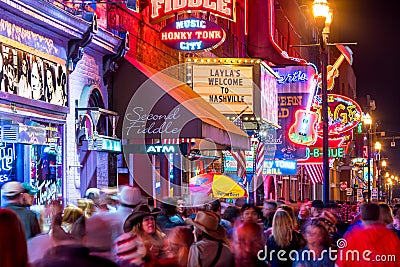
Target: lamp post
{"x":380,"y":189}
{"x":390,"y":182}
{"x":368,"y":121}
{"x":378,"y":148}
{"x":323,"y":18}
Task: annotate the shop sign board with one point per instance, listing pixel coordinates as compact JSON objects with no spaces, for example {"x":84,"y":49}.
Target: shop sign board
{"x":230,"y":164}
{"x":192,"y":34}
{"x":280,"y":167}
{"x":349,"y":191}
{"x":269,"y":96}
{"x":154,"y":149}
{"x":360,"y":196}
{"x":162,"y":9}
{"x":7,"y":162}
{"x":228,"y":88}
{"x":374,"y":193}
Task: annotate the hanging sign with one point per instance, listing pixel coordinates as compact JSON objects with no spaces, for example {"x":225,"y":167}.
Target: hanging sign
{"x":192,"y":35}
{"x":162,"y":9}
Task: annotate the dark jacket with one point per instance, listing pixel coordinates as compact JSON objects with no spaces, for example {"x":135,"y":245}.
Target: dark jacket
{"x":72,"y":256}
{"x":298,"y":242}
{"x":28,"y":219}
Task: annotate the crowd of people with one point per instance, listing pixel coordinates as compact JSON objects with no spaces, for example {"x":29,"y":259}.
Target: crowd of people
{"x":123,"y":230}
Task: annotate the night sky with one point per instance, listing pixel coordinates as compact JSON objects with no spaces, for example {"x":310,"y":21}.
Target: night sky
{"x":374,"y":25}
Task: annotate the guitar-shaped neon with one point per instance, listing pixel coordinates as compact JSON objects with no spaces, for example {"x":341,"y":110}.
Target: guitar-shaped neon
{"x":303,"y":131}
{"x":333,"y":70}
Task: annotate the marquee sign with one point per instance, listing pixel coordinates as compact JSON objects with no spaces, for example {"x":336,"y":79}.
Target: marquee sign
{"x":162,"y":9}
{"x":192,"y":35}
{"x":228,"y":88}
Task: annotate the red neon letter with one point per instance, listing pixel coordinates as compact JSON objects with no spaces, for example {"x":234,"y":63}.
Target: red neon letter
{"x":178,"y":4}
{"x":194,"y":3}
{"x":209,"y":5}
{"x":156,"y":4}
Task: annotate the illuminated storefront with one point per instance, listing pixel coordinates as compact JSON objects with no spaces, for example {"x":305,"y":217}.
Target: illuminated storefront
{"x":43,"y":72}
{"x":33,"y":108}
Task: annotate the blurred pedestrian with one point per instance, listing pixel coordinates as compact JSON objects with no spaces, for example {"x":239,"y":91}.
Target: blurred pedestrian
{"x":70,"y":215}
{"x":251,"y":213}
{"x":289,"y":209}
{"x":216,"y":207}
{"x":16,"y":198}
{"x":184,"y":210}
{"x":316,"y":252}
{"x":129,"y":198}
{"x":371,"y":236}
{"x":142,"y":223}
{"x":269,"y":208}
{"x":233,"y":215}
{"x":13,"y":250}
{"x":248,"y":240}
{"x":386,"y":217}
{"x":75,"y":253}
{"x":284,"y":238}
{"x":210,"y":247}
{"x":94,"y":195}
{"x":317,"y":207}
{"x":169,"y":216}
{"x":56,"y":236}
{"x":303,"y":218}
{"x":180,"y":238}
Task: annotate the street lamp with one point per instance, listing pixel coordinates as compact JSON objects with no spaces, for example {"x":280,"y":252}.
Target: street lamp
{"x":368,"y":121}
{"x":323,"y":18}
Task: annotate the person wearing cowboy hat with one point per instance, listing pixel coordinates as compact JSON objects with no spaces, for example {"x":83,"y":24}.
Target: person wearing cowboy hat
{"x":210,"y":248}
{"x":141,"y":232}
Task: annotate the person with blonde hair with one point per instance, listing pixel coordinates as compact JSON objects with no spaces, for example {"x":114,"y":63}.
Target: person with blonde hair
{"x":70,"y":215}
{"x":180,"y":238}
{"x":284,"y":238}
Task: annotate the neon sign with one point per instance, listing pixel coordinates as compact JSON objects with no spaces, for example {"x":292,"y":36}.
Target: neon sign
{"x":344,"y":114}
{"x":192,"y":35}
{"x":292,"y":77}
{"x":161,"y":9}
{"x":280,"y":167}
{"x":7,"y":162}
{"x":333,"y":152}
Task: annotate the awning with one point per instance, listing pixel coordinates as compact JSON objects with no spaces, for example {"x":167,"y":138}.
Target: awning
{"x":157,"y":106}
{"x":314,"y":172}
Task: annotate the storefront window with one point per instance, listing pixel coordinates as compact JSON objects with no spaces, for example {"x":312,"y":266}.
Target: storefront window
{"x":39,"y":164}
